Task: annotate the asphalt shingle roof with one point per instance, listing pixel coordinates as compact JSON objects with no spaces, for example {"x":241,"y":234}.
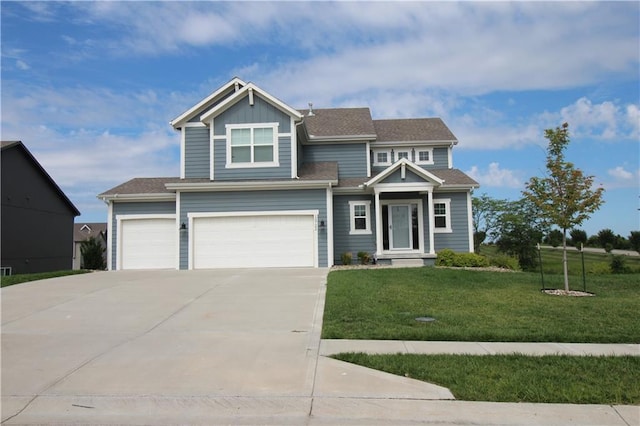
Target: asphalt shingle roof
{"x":339,"y":122}
{"x":412,"y":129}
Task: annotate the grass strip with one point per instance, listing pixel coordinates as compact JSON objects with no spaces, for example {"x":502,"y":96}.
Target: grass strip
{"x":382,"y":304}
{"x":518,"y":378}
{"x":22,"y":278}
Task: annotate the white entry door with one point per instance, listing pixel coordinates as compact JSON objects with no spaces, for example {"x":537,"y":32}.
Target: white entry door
{"x":254,"y":241}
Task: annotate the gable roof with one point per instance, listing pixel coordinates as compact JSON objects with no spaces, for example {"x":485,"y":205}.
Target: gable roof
{"x":82,"y":231}
{"x":6,"y":145}
{"x":206,"y":102}
{"x":248,"y":90}
{"x":339,"y":123}
{"x":426,"y":175}
{"x":413,"y":129}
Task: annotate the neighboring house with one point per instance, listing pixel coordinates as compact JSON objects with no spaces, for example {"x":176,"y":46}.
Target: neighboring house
{"x":265,"y":185}
{"x":37,"y":217}
{"x":82,"y":232}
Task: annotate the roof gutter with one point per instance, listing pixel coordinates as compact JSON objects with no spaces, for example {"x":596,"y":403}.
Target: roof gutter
{"x":168,"y":196}
{"x":251,"y":186}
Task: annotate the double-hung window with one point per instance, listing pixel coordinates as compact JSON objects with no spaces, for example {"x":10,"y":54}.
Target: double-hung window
{"x":359,"y":213}
{"x":424,"y":156}
{"x":381,"y":157}
{"x":403,"y":154}
{"x":252,"y":145}
{"x":442,"y":215}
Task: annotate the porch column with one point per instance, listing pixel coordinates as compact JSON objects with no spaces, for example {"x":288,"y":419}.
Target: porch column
{"x":432,"y":221}
{"x":378,"y":209}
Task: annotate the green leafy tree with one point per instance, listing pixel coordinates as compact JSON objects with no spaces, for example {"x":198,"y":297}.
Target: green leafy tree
{"x":92,"y":251}
{"x":578,"y":236}
{"x":519,"y":233}
{"x":565,"y":196}
{"x":606,"y":238}
{"x":634,"y":240}
{"x":486,"y":216}
{"x":554,"y":238}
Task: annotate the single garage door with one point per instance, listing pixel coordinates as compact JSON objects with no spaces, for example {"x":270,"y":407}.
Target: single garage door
{"x":148,"y":243}
{"x":261,"y":241}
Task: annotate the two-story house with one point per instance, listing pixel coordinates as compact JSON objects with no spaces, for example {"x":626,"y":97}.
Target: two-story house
{"x":265,"y":185}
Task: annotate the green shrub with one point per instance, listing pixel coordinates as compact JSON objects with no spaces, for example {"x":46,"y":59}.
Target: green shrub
{"x":505,"y":262}
{"x":364,"y":257}
{"x":448,"y":257}
{"x":618,"y":265}
{"x":346,"y":258}
{"x":599,"y":268}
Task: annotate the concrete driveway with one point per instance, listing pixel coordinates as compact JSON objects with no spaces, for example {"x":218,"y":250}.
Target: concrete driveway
{"x":176,"y":347}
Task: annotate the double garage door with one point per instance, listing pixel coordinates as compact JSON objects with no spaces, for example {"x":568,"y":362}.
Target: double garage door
{"x":260,"y":241}
{"x":238,"y":241}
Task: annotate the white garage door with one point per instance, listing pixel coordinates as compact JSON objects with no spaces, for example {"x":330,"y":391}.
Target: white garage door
{"x":148,"y":243}
{"x":254,"y":241}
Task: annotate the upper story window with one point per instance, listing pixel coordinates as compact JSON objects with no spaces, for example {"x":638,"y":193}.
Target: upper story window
{"x":424,"y":155}
{"x":403,"y":154}
{"x":252,"y":145}
{"x":381,"y":157}
{"x":359,"y":214}
{"x":442,"y":215}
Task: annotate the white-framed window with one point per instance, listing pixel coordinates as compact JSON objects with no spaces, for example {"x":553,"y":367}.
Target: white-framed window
{"x":424,"y":155}
{"x":360,"y":217}
{"x":400,"y":154}
{"x":382,"y":157}
{"x":442,"y":215}
{"x":252,"y":145}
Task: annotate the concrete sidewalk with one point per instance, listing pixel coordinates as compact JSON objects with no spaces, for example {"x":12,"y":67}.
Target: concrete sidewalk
{"x":331,"y":347}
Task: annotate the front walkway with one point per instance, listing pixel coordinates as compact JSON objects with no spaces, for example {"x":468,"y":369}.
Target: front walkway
{"x":332,"y":347}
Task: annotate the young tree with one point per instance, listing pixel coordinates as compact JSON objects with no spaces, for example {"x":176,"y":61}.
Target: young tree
{"x":565,"y":196}
{"x":92,"y":254}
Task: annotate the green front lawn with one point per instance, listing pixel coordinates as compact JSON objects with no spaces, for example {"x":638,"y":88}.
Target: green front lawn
{"x":23,"y":278}
{"x":518,"y":378}
{"x":478,"y":306}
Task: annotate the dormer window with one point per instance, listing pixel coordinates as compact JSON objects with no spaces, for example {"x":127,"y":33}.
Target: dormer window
{"x":402,"y":154}
{"x":424,"y":155}
{"x":381,"y":157}
{"x":252,"y":145}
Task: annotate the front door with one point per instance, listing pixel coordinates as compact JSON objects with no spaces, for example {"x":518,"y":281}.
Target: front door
{"x":400,"y":226}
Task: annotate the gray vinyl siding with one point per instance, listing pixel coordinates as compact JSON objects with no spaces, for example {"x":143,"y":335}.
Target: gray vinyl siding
{"x":243,"y":113}
{"x":196,"y":152}
{"x":254,"y":201}
{"x":342,"y":241}
{"x":458,"y":239}
{"x":351,"y":157}
{"x":168,"y":207}
{"x":440,"y":159}
{"x":409,"y":177}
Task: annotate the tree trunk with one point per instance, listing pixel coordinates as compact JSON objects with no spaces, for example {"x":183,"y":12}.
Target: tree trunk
{"x":565,"y":267}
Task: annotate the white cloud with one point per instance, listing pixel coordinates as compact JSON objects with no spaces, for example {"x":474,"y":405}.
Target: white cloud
{"x":494,"y":176}
{"x":620,"y":173}
{"x":22,"y":65}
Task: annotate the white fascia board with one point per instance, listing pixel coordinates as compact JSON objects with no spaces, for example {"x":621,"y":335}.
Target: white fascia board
{"x":456,"y":188}
{"x":178,"y":121}
{"x":376,"y":144}
{"x":250,"y":186}
{"x":165,"y":196}
{"x":351,"y":190}
{"x":403,"y":187}
{"x":240,"y":94}
{"x":414,"y":168}
{"x":339,"y":139}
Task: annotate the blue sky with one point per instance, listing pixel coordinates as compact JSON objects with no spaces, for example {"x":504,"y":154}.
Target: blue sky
{"x":90,"y":87}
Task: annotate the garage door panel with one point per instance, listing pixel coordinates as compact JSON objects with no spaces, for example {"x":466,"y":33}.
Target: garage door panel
{"x":254,"y":241}
{"x":148,"y":244}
